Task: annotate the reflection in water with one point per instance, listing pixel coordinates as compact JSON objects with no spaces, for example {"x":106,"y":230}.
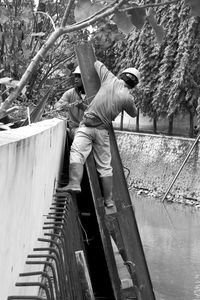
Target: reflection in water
{"x":172,"y":251}
{"x":197,"y":287}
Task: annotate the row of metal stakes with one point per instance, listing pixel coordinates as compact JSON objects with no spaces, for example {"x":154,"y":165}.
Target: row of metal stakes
{"x":54,"y":281}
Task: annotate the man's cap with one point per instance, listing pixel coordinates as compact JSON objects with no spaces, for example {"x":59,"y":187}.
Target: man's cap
{"x":77,"y":70}
{"x":132,"y":71}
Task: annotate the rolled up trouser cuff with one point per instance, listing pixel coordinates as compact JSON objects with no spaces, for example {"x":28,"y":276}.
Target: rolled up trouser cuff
{"x":76,"y":158}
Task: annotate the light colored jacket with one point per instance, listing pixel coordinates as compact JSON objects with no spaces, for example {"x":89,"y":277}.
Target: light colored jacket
{"x":73,"y":103}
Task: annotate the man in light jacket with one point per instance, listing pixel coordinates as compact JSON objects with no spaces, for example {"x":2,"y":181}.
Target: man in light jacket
{"x":73,"y":102}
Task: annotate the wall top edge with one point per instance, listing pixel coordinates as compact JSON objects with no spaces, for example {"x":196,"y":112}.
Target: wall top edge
{"x":15,"y":134}
{"x":119,"y":132}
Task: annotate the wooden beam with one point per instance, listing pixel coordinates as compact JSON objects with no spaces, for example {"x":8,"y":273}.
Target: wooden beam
{"x":86,"y":58}
{"x":84,"y":276}
{"x":104,"y":232}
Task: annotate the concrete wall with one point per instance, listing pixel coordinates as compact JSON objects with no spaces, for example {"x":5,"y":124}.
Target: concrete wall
{"x":30,"y":161}
{"x":153,"y":161}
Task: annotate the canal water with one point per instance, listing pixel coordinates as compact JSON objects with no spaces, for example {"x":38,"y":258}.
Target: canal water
{"x":171,"y":246}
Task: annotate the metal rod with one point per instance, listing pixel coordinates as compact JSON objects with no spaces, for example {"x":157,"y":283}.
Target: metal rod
{"x":58,"y":269}
{"x":61,"y":272}
{"x":181,"y":167}
{"x":61,"y":249}
{"x":46,"y":263}
{"x":41,"y":285}
{"x":43,"y":274}
{"x":25,"y":297}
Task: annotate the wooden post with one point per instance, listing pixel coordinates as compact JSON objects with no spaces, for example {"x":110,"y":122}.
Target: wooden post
{"x":128,"y":225}
{"x":84,"y":276}
{"x":90,"y":78}
{"x":86,"y":58}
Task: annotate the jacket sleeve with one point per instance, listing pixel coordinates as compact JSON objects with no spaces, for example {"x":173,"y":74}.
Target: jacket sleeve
{"x":102,"y":70}
{"x":63,"y":102}
{"x":130,"y":107}
{"x":82,"y":105}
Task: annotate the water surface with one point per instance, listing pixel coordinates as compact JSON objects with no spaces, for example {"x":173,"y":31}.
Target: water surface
{"x":171,"y":246}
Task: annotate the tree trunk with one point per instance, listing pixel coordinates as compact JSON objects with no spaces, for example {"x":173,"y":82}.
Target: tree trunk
{"x":31,"y":84}
{"x":137,"y":120}
{"x":29,"y":71}
{"x":191,"y":130}
{"x":170,"y":126}
{"x":122,"y":120}
{"x":2,"y":43}
{"x":155,"y":125}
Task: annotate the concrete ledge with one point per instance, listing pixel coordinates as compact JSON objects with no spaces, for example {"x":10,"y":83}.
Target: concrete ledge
{"x":13,"y":135}
{"x":30,"y":162}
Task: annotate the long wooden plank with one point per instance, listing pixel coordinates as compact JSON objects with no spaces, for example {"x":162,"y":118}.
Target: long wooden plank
{"x":104,"y":232}
{"x":125,"y":215}
{"x":86,"y":58}
{"x":128,"y":225}
{"x":84,"y":276}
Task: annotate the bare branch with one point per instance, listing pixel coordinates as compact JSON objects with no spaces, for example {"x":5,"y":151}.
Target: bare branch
{"x":41,"y":53}
{"x":95,"y":17}
{"x":111,"y":8}
{"x":150,"y":5}
{"x":105,"y":12}
{"x":67,"y":12}
{"x":53,"y":68}
{"x":98,"y":12}
{"x":48,"y":16}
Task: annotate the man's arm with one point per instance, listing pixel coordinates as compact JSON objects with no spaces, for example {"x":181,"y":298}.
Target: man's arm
{"x":130,"y":107}
{"x":102,"y":70}
{"x":70,"y":99}
{"x":63,"y":103}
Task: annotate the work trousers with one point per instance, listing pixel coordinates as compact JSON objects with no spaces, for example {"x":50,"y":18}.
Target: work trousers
{"x":89,"y":139}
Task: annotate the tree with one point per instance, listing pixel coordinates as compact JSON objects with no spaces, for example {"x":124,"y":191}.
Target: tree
{"x":17,"y":52}
{"x":86,"y":13}
{"x":104,"y":38}
{"x":170,"y":70}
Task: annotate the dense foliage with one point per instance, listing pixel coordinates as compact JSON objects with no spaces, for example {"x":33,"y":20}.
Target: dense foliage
{"x":161,"y":39}
{"x":170,"y":70}
{"x":24,"y":30}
